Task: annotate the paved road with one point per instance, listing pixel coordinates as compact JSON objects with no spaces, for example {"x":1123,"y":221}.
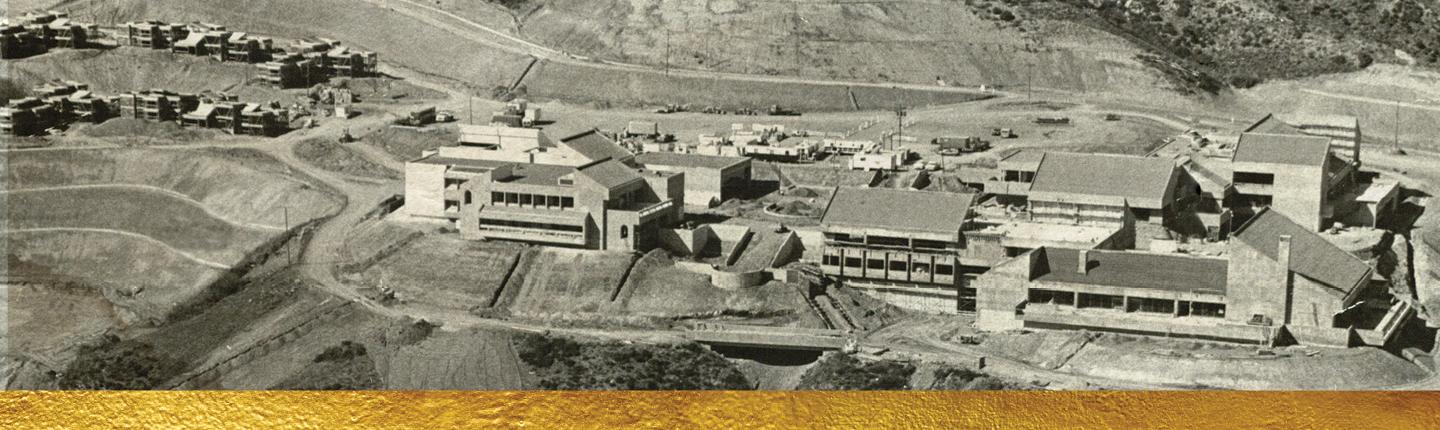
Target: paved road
{"x":1374,"y":100}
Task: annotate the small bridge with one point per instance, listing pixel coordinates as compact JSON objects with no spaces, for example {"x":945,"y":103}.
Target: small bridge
{"x":736,"y":335}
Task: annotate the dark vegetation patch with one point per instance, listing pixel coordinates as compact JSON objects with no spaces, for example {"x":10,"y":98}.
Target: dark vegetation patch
{"x":341,"y":367}
{"x":956,"y":378}
{"x":845,"y":372}
{"x":564,"y":364}
{"x":114,"y":364}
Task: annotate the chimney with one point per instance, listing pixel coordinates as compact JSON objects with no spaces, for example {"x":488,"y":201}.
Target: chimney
{"x":1282,"y":256}
{"x":1082,"y":262}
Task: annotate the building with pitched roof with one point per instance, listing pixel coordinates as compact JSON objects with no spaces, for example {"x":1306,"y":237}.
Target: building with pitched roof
{"x":1278,"y":282}
{"x":518,"y":184}
{"x":1015,"y":174}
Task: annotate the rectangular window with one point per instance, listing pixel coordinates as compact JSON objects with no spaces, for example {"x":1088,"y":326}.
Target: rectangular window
{"x":1204,"y":309}
{"x":1141,"y":214}
{"x":852,"y":262}
{"x":1151,"y":306}
{"x":1254,"y":178}
{"x":531,"y":225}
{"x":1040,"y":295}
{"x":875,"y":264}
{"x":497,"y":197}
{"x":512,"y":198}
{"x":921,"y":267}
{"x":897,"y":266}
{"x":1099,"y":301}
{"x":832,"y":260}
{"x":567,"y":202}
{"x":944,"y":269}
{"x":526,"y":199}
{"x":552,"y":201}
{"x":888,"y":241}
{"x":930,"y":244}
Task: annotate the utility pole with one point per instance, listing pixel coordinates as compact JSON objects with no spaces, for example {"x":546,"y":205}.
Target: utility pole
{"x":1029,"y":77}
{"x":470,"y":109}
{"x":667,"y":50}
{"x":1397,"y":128}
{"x":899,"y":128}
{"x":795,"y":20}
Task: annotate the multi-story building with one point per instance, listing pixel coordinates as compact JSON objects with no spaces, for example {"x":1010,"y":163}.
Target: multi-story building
{"x":1278,"y":282}
{"x":27,"y":116}
{"x":157,"y":105}
{"x":258,"y":120}
{"x":905,"y":245}
{"x":18,"y":42}
{"x":290,"y":71}
{"x":346,"y":62}
{"x":1114,"y":191}
{"x":245,"y":48}
{"x":1297,"y":175}
{"x":1015,"y":173}
{"x":709,"y":179}
{"x":153,"y":34}
{"x":520,"y":185}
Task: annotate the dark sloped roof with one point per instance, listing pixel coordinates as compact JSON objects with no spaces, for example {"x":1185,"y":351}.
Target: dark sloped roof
{"x":594,"y":146}
{"x":925,"y":211}
{"x":1310,"y":255}
{"x":1282,"y":149}
{"x":1273,"y":125}
{"x":1137,"y":270}
{"x":1142,"y":181}
{"x":610,"y":173}
{"x":689,"y":160}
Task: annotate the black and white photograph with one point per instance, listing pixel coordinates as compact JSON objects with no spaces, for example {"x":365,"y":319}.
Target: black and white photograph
{"x":929,"y":195}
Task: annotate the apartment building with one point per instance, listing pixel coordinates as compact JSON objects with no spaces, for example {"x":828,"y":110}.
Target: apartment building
{"x":153,"y":34}
{"x":26,"y":117}
{"x":157,"y":105}
{"x":290,"y":71}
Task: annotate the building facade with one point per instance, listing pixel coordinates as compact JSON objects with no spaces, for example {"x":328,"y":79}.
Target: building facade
{"x":709,"y":179}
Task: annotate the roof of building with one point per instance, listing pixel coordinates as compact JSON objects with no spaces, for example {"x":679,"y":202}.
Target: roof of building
{"x":911,"y":210}
{"x":595,"y":146}
{"x":1143,"y":182}
{"x":1311,"y":255}
{"x":610,"y":173}
{"x":1271,"y":124}
{"x":1130,"y":269}
{"x":1324,"y":120}
{"x":689,"y":160}
{"x":1282,"y":149}
{"x":191,"y":40}
{"x":1023,"y":157}
{"x":1377,"y":191}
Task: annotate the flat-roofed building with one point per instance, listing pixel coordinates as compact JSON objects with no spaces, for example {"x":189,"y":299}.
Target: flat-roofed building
{"x":905,"y":245}
{"x":529,"y":145}
{"x":1297,"y":175}
{"x":153,"y":34}
{"x":27,"y":116}
{"x":709,"y":179}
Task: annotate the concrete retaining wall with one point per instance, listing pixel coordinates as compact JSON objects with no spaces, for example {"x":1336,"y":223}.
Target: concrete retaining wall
{"x":726,"y":280}
{"x":686,"y":242}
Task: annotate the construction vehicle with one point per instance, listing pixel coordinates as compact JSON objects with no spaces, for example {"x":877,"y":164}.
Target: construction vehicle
{"x":670,"y":108}
{"x":776,"y":110}
{"x":959,"y":145}
{"x":1112,"y":117}
{"x":345,"y":136}
{"x":444,"y":116}
{"x":1006,"y":133}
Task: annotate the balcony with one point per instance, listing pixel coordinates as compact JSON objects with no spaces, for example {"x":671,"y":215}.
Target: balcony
{"x":533,"y":234}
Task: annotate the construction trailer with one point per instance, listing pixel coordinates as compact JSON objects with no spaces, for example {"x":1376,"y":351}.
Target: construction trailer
{"x":962,"y":144}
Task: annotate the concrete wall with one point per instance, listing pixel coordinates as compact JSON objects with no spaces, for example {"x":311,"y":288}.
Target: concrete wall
{"x":724,"y":279}
{"x":1001,"y":290}
{"x":1255,"y":284}
{"x":929,"y":300}
{"x":686,"y":242}
{"x":1299,"y":192}
{"x":425,"y":189}
{"x":1320,"y":336}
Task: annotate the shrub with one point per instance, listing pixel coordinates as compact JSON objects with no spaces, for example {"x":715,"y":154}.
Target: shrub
{"x":563,"y":364}
{"x":113,"y":364}
{"x":845,"y":372}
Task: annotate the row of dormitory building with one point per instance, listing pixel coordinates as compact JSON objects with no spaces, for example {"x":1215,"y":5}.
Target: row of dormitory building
{"x":37,"y":33}
{"x":305,"y":63}
{"x":60,"y":103}
{"x":1094,"y":250}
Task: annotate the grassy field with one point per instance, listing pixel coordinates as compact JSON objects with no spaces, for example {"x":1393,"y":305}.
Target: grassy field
{"x":156,"y":215}
{"x":333,"y":156}
{"x":657,"y":288}
{"x":443,"y":271}
{"x":239,"y":185}
{"x":563,"y":281}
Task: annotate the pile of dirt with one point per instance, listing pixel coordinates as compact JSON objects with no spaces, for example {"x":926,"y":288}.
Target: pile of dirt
{"x":331,"y":155}
{"x":406,"y":143}
{"x":139,"y":132}
{"x":386,"y":90}
{"x":794,"y":208}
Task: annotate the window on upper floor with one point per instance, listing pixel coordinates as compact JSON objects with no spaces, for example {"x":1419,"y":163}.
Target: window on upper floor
{"x":1254,"y":178}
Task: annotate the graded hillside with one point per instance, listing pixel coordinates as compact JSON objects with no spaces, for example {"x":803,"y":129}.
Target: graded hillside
{"x":453,"y":47}
{"x":896,"y":41}
{"x":170,"y":220}
{"x":240,"y":185}
{"x":134,"y":69}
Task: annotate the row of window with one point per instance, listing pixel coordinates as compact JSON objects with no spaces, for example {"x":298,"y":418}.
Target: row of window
{"x":528,"y":224}
{"x":889,"y":241}
{"x":897,"y":266}
{"x":1136,"y":304}
{"x":533,"y":200}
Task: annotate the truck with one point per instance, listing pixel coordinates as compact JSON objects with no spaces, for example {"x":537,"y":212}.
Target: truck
{"x":950,"y":145}
{"x":1003,"y":133}
{"x":776,"y":110}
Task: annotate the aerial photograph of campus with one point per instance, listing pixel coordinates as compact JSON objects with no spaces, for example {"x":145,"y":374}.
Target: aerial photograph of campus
{"x":720,"y":194}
